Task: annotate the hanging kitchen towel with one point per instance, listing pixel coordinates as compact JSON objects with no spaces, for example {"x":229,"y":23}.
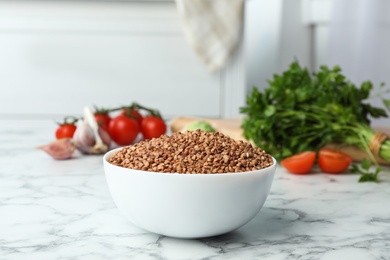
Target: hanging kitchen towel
{"x":213,"y":28}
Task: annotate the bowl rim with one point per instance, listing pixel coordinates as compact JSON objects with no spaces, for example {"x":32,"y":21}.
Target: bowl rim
{"x":108,"y":155}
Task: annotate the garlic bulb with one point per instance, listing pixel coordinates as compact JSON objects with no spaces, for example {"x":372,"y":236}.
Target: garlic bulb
{"x":60,"y":149}
{"x":89,"y":138}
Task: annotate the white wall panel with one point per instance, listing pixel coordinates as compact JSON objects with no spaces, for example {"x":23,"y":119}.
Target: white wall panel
{"x":262,"y":41}
{"x":60,"y":73}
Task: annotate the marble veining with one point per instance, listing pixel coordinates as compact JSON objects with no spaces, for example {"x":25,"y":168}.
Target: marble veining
{"x":62,"y":210}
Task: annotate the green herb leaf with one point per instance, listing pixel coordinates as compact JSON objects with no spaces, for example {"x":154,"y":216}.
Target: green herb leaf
{"x":364,"y":170}
{"x":355,"y":169}
{"x":269,"y":110}
{"x":367,"y":177}
{"x":386,"y":102}
{"x":366,"y":164}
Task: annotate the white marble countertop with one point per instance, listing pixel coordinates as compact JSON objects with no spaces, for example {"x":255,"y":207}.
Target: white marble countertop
{"x":63,"y":210}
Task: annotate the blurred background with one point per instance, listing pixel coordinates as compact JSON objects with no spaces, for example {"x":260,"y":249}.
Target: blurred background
{"x":58,"y":56}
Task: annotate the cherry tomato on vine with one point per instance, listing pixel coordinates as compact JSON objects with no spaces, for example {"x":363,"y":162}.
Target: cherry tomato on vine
{"x":153,"y":127}
{"x":134,"y":113}
{"x":123,"y":129}
{"x":300,"y":163}
{"x":67,"y":128}
{"x":103,"y":120}
{"x":65,"y":131}
{"x":333,"y":161}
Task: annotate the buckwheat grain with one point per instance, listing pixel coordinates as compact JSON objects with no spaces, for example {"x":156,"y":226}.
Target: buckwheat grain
{"x":192,"y":152}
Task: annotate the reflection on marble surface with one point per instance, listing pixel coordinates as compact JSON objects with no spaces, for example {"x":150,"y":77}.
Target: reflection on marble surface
{"x":62,"y":209}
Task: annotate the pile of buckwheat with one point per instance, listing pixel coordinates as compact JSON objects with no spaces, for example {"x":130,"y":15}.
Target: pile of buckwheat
{"x":192,"y":152}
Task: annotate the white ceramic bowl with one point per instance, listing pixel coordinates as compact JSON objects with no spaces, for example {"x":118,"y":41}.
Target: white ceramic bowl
{"x":188,"y":205}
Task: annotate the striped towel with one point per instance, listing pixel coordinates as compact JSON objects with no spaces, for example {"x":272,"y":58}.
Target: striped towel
{"x":213,"y":28}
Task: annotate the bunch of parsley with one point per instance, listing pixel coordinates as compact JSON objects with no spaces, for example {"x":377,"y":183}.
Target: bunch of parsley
{"x":302,"y":111}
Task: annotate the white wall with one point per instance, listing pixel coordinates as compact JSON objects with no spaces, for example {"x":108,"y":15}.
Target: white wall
{"x":262,"y":40}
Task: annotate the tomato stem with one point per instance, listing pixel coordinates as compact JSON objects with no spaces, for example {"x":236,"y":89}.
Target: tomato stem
{"x":68,"y":120}
{"x":153,"y":112}
{"x":136,"y":106}
{"x":101,"y":111}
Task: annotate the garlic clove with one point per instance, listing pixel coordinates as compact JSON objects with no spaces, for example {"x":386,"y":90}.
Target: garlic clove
{"x":60,"y":149}
{"x":100,"y":146}
{"x":88,"y":140}
{"x":106,"y":138}
{"x":84,"y":137}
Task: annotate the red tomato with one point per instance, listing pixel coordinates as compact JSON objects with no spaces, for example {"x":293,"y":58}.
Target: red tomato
{"x":65,"y":131}
{"x":103,"y":120}
{"x":153,"y":127}
{"x":134,"y":113}
{"x":300,"y":163}
{"x":123,"y":130}
{"x":333,"y":161}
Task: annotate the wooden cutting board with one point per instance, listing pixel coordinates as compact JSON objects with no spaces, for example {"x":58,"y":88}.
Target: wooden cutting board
{"x":232,"y":128}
